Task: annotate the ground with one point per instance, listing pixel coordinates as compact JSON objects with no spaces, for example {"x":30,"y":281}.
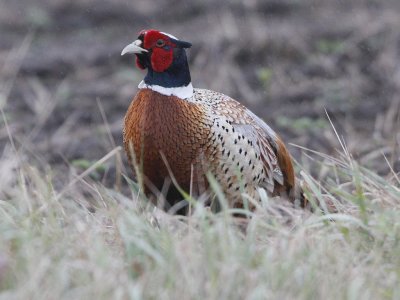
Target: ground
{"x":291,"y":62}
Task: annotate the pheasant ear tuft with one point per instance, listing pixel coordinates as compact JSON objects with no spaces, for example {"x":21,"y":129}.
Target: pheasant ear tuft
{"x":183,"y":44}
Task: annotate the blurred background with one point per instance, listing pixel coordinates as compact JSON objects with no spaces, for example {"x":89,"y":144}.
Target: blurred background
{"x":64,"y":88}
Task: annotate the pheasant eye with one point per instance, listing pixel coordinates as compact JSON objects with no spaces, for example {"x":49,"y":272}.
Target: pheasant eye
{"x":160,"y":43}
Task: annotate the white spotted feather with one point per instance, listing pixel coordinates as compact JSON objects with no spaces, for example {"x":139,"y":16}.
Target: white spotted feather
{"x":246,"y":144}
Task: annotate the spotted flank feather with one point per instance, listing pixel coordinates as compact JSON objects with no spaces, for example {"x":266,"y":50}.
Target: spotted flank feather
{"x":247,"y":146}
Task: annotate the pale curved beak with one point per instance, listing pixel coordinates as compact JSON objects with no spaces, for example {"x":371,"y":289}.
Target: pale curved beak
{"x":134,"y":48}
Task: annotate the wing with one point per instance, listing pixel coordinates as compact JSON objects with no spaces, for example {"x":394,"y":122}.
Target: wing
{"x":266,"y":143}
{"x":284,"y":173}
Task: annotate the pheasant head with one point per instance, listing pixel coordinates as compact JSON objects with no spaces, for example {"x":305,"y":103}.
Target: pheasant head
{"x":164,"y":57}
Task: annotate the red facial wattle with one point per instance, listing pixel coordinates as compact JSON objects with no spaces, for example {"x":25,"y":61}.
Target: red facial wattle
{"x":161,"y":59}
{"x":150,"y":37}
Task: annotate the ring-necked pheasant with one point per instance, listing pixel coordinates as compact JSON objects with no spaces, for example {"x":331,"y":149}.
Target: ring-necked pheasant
{"x":197,"y":130}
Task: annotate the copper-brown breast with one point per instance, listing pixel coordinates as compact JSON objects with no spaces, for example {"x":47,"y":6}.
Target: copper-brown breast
{"x":156,"y":123}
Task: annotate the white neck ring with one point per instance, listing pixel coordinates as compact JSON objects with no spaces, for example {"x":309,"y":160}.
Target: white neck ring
{"x":182,"y":92}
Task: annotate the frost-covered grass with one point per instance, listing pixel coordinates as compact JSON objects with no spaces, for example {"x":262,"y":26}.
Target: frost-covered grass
{"x":84,"y":241}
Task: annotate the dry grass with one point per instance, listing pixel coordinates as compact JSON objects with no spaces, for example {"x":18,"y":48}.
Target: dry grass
{"x":84,"y":241}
